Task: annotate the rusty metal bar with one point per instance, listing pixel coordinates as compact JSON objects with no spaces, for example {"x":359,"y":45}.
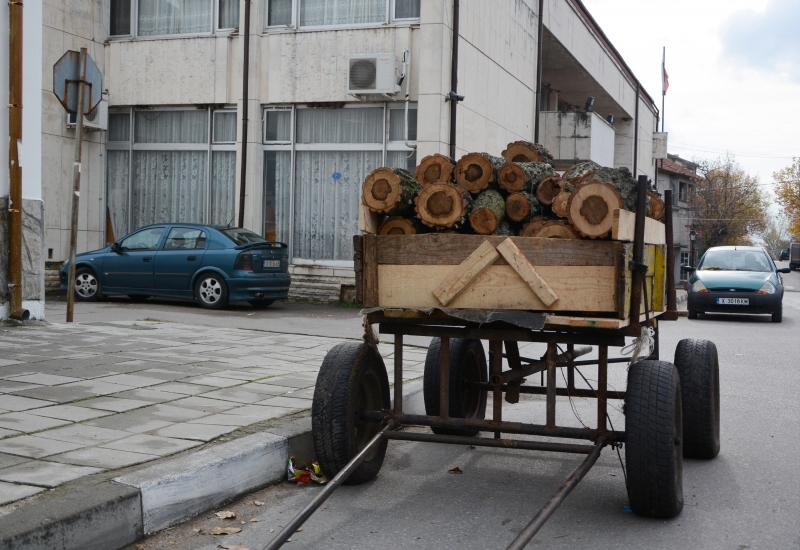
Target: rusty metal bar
{"x":672,"y":300}
{"x":594,"y":362}
{"x":76,"y":185}
{"x":558,"y":497}
{"x":487,"y":442}
{"x":602,"y":388}
{"x":533,"y":367}
{"x":444,"y":379}
{"x":496,"y":358}
{"x":327,"y":490}
{"x":551,"y":384}
{"x":398,"y":374}
{"x":637,"y":276}
{"x":539,"y":390}
{"x":15,"y":211}
{"x":571,"y":368}
{"x":512,"y":356}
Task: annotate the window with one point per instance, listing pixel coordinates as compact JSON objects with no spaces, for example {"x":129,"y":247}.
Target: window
{"x":143,"y":240}
{"x":684,"y":261}
{"x":325,"y":13}
{"x":315,"y":160}
{"x":164,"y":166}
{"x":169,"y":17}
{"x":683,"y":193}
{"x":185,"y":238}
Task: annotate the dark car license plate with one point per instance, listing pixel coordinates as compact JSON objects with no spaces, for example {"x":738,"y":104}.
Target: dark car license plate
{"x":272,"y":263}
{"x":734,"y":301}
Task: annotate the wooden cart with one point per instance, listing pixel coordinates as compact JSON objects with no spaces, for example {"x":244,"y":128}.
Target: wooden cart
{"x":464,"y":289}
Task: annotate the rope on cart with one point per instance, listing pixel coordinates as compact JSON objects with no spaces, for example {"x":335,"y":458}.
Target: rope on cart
{"x":642,"y":347}
{"x":370,"y":337}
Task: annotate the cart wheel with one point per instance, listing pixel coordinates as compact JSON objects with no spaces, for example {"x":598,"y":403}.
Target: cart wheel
{"x":698,"y":367}
{"x":653,"y":439}
{"x":467,"y":363}
{"x":352,"y":379}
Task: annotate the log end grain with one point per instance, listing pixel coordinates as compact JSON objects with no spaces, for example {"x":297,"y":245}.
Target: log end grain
{"x":556,"y":229}
{"x":560,"y":204}
{"x":397,"y":225}
{"x":511,"y":177}
{"x":591,"y":209}
{"x":440,"y":205}
{"x":548,"y":189}
{"x":381,"y":190}
{"x":435,"y":168}
{"x":475,"y":171}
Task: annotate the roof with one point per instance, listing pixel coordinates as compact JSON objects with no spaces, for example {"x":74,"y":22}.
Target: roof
{"x":666,"y":165}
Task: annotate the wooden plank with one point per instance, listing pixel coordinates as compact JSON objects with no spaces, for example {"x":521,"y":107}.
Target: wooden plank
{"x":367,"y":220}
{"x":521,"y":265}
{"x":370,"y":271}
{"x":585,"y":322}
{"x":449,"y":249}
{"x":580,"y":288}
{"x":624,"y":222}
{"x":458,"y":279}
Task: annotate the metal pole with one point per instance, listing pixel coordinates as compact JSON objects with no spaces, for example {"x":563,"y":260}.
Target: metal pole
{"x":671,"y":297}
{"x":76,"y":184}
{"x":636,"y":133}
{"x":398,"y":375}
{"x":14,"y":168}
{"x":454,"y":79}
{"x":602,"y":388}
{"x":663,"y":91}
{"x":558,"y":497}
{"x":245,"y":114}
{"x":488,"y":442}
{"x":539,"y":48}
{"x":327,"y":490}
{"x":551,"y":384}
{"x":496,"y":358}
{"x":638,"y":250}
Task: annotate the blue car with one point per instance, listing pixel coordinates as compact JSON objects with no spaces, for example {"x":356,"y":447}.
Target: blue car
{"x":212,"y":264}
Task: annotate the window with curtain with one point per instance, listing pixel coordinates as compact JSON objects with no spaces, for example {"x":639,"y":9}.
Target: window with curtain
{"x":406,"y":9}
{"x":159,"y":17}
{"x":319,"y":13}
{"x":228,"y":14}
{"x":279,"y":13}
{"x":120,"y":17}
{"x":315,"y":206}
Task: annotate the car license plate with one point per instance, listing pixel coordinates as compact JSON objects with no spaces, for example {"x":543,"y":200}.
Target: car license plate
{"x":272,"y":263}
{"x":734,"y":301}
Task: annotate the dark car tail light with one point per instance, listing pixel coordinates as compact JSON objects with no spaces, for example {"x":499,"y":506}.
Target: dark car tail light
{"x":244,"y":261}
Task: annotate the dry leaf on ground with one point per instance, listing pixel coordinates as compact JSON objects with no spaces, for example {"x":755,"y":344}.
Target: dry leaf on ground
{"x":456,"y":470}
{"x":506,"y":521}
{"x":255,"y":520}
{"x":258,"y":503}
{"x":233,"y":547}
{"x":225,"y":514}
{"x":272,"y":530}
{"x":225,"y":530}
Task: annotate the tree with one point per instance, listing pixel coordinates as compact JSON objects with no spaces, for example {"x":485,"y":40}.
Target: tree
{"x":775,"y":236}
{"x":787,"y":191}
{"x":728,"y":206}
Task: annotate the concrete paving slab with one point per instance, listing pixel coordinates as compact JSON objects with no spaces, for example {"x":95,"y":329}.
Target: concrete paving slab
{"x":205,"y":405}
{"x":130,"y":422}
{"x":10,"y":386}
{"x":170,"y":413}
{"x":7,"y":461}
{"x":144,"y":394}
{"x":132,"y":380}
{"x":215,"y":381}
{"x":6,"y":362}
{"x":99,"y":457}
{"x":9,"y":492}
{"x":291,"y":382}
{"x":74,"y":391}
{"x":42,"y":473}
{"x":36,"y":447}
{"x":242,"y":375}
{"x":19,"y":403}
{"x":7,"y":433}
{"x":84,"y":434}
{"x":151,"y":444}
{"x":69,"y":412}
{"x":43,"y":379}
{"x":175,"y":373}
{"x":25,"y":422}
{"x":114,"y":404}
{"x":182,"y":388}
{"x":239,"y":395}
{"x":287,"y":402}
{"x":198,"y":432}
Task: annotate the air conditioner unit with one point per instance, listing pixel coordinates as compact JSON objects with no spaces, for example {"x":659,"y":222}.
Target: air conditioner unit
{"x":95,"y":121}
{"x":373,"y":74}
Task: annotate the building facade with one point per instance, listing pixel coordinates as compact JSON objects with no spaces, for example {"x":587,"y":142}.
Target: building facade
{"x":173,"y":147}
{"x":680,"y":175}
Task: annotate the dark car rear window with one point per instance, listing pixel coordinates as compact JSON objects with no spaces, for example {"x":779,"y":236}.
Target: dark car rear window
{"x":735,"y":260}
{"x":242,"y":236}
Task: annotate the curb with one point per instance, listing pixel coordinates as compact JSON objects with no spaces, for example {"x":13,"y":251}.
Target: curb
{"x":113,"y":514}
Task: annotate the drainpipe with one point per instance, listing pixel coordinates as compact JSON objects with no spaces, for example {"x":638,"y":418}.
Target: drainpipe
{"x":14,"y":168}
{"x":407,"y":78}
{"x":539,"y":48}
{"x":245,"y":98}
{"x":636,"y":133}
{"x":453,"y":97}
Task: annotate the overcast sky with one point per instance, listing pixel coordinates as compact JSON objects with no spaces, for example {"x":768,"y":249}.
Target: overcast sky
{"x":734,"y":73}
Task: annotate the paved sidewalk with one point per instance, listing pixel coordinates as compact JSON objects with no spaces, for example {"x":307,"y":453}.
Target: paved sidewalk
{"x":80,"y":399}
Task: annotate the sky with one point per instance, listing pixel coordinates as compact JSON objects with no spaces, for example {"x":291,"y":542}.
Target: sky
{"x":734,"y":74}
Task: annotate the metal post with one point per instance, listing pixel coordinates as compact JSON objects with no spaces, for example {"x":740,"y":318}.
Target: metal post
{"x":539,"y":48}
{"x":245,"y":114}
{"x":398,"y":375}
{"x":602,"y":388}
{"x":636,"y":133}
{"x":571,"y":367}
{"x":671,"y":297}
{"x":14,"y":168}
{"x":496,"y":358}
{"x":444,"y":379}
{"x":638,"y":249}
{"x":454,"y":78}
{"x":76,"y":184}
{"x":551,"y":384}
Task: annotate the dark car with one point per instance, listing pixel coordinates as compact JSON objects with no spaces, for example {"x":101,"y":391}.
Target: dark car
{"x":784,"y":255}
{"x":212,"y":264}
{"x":736,"y":279}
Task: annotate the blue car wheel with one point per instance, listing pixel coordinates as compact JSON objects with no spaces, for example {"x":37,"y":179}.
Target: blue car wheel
{"x":211,"y":291}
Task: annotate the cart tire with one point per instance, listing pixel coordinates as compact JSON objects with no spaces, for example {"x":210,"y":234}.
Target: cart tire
{"x":698,"y":367}
{"x":653,"y":439}
{"x":352,"y":378}
{"x":467,"y":362}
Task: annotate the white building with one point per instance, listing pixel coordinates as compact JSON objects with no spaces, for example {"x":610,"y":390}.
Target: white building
{"x":173,"y":72}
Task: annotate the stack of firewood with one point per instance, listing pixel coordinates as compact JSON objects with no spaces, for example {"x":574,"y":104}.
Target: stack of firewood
{"x":519,"y":193}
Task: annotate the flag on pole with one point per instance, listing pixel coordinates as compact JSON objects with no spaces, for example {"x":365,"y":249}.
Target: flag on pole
{"x":665,"y":83}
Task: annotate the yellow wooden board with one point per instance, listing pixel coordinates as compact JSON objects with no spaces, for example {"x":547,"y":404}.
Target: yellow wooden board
{"x":625,"y":223}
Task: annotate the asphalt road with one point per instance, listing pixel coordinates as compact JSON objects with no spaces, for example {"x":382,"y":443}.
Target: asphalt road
{"x":746,"y":498}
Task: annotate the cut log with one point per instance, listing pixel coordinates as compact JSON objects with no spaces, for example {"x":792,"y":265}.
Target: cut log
{"x":525,"y":151}
{"x":521,"y":176}
{"x":504,"y":228}
{"x":475,"y":171}
{"x":656,"y":207}
{"x":530,"y":228}
{"x":556,"y":229}
{"x":442,"y":205}
{"x":561,"y":203}
{"x":435,"y":168}
{"x":521,"y":206}
{"x":623,"y":182}
{"x":397,"y":225}
{"x":389,"y":191}
{"x":549,"y":188}
{"x":487,"y":212}
{"x":581,"y":172}
{"x":591,"y":209}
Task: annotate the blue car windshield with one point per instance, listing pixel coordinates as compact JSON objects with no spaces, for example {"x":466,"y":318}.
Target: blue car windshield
{"x":734,"y":260}
{"x":242,"y":236}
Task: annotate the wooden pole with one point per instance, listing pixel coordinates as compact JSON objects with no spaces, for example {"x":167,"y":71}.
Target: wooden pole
{"x":76,"y":184}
